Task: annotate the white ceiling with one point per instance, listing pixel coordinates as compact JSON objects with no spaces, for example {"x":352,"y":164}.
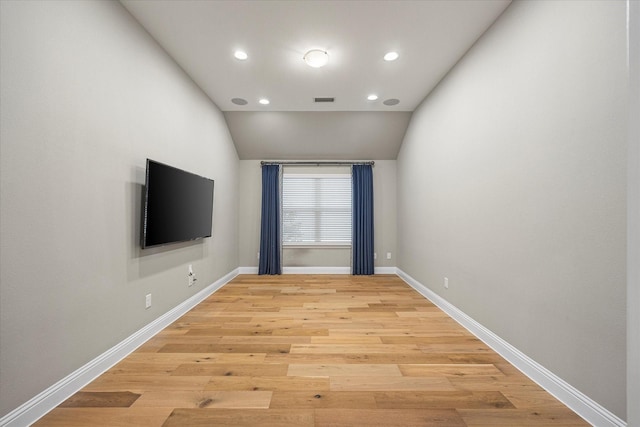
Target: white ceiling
{"x":430,"y":36}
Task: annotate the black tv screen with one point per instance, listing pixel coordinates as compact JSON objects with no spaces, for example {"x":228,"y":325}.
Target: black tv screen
{"x":178,"y":205}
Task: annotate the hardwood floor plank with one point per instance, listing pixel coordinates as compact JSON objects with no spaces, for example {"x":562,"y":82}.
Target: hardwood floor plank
{"x":153,"y":346}
{"x":309,"y":358}
{"x":323,"y":399}
{"x":418,"y":337}
{"x":363,"y":315}
{"x":87,"y":399}
{"x":442,"y":400}
{"x":456,"y":348}
{"x":435,"y":383}
{"x":142,"y":383}
{"x":271,"y":339}
{"x":343,"y":370}
{"x":266,"y":383}
{"x":336,"y":417}
{"x":205,"y":399}
{"x":495,"y":383}
{"x":354,"y":348}
{"x":225,"y":348}
{"x":111,"y":417}
{"x":381,"y":358}
{"x":285,"y":330}
{"x":246,"y":417}
{"x":521,"y":417}
{"x":531,"y":399}
{"x":368,"y":329}
{"x":223,"y":369}
{"x":177,"y":359}
{"x":454,"y":369}
{"x":345,"y":340}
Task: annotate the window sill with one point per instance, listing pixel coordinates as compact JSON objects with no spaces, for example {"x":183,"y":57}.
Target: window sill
{"x":315,"y":246}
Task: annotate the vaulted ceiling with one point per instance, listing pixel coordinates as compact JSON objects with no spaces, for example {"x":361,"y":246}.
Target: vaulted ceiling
{"x":429,"y":36}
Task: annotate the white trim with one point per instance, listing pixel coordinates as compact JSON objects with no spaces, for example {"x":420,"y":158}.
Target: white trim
{"x":577,"y":401}
{"x":316,"y":270}
{"x":385,"y":270}
{"x":41,"y":404}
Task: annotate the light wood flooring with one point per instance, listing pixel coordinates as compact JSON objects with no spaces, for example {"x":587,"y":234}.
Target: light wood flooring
{"x":313,"y":351}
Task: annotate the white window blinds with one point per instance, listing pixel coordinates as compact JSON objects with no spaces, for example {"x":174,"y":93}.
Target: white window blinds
{"x":316,"y":209}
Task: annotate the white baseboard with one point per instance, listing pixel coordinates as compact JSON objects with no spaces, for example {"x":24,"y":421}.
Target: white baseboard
{"x":581,"y":404}
{"x":386,"y":270}
{"x":317,"y":270}
{"x":38,"y":406}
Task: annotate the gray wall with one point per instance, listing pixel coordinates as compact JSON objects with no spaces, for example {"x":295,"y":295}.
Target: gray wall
{"x":384,"y":183}
{"x":633,"y":229}
{"x":512,"y":183}
{"x":87,"y":95}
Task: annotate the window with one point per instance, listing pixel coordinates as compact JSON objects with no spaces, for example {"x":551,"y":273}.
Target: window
{"x":316,"y":209}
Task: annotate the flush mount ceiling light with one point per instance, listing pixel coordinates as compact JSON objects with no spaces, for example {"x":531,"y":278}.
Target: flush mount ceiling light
{"x":240,"y":55}
{"x":316,"y":58}
{"x":263,"y":101}
{"x":372,"y":97}
{"x":391,"y":56}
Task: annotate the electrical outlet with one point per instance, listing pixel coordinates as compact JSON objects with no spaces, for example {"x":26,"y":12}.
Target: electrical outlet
{"x":446,"y":283}
{"x":191,"y":276}
{"x":258,"y":256}
{"x":388,"y":255}
{"x":147,"y":301}
{"x":375,"y":255}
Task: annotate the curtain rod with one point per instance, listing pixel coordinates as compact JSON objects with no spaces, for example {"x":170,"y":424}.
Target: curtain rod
{"x":328,"y":163}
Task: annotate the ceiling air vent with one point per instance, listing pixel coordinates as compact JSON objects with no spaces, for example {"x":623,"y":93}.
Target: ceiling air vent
{"x":324,"y":99}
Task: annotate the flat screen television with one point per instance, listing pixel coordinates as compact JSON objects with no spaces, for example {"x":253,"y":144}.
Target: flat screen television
{"x":178,"y":206}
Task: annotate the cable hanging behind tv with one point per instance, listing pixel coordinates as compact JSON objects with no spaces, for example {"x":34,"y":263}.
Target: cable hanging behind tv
{"x":178,"y":206}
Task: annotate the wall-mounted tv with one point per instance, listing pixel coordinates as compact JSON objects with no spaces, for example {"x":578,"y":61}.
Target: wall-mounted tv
{"x":178,"y":206}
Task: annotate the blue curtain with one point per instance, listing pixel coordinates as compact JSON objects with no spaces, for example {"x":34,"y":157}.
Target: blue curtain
{"x":270,"y":235}
{"x":362,"y":224}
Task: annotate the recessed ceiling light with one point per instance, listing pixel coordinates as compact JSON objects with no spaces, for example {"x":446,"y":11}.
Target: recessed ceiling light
{"x":372,"y":97}
{"x":316,"y":58}
{"x":263,"y":101}
{"x":239,"y":101}
{"x":391,"y":56}
{"x":240,"y":55}
{"x":391,"y":102}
